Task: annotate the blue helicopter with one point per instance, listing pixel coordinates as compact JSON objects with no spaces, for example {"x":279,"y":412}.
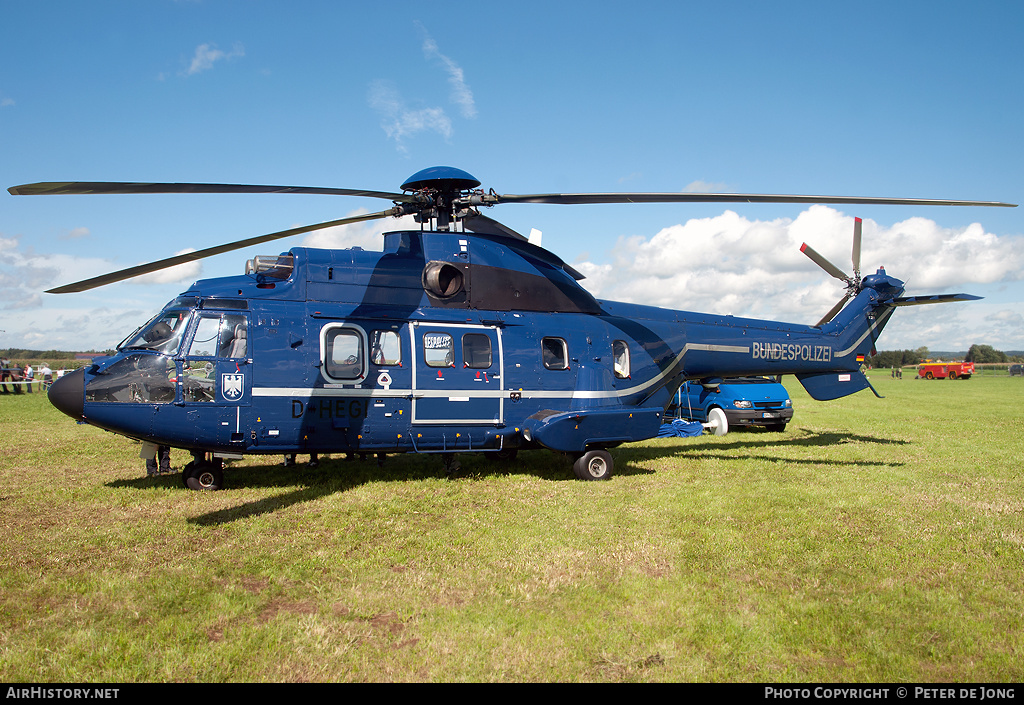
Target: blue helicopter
{"x":462,"y":336}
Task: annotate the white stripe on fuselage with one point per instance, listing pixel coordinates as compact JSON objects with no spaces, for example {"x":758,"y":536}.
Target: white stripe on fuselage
{"x":494,"y":393}
{"x":880,"y":321}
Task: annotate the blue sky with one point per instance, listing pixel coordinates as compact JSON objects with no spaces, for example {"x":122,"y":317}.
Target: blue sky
{"x":910,"y":99}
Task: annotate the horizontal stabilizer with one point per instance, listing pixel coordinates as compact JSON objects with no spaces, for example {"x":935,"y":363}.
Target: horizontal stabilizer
{"x":826,"y":386}
{"x":934,"y":299}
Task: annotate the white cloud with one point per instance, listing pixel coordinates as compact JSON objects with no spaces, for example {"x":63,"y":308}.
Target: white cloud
{"x":366,"y":235}
{"x":208,"y":54}
{"x":59,"y":328}
{"x":75,"y":233}
{"x":400,"y":121}
{"x":24,"y":274}
{"x":701,"y":186}
{"x":461,"y":94}
{"x":728,"y":264}
{"x":179,"y":274}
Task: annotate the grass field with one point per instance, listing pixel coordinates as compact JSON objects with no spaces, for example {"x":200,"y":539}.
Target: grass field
{"x":873,"y":541}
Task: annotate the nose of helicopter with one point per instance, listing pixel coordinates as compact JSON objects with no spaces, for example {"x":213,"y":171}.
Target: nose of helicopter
{"x":67,"y":394}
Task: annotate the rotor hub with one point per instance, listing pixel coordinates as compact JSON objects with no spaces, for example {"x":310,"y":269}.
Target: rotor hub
{"x":446,"y":179}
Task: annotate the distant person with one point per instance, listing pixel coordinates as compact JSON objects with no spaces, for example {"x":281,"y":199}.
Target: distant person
{"x":27,"y":374}
{"x":46,"y":374}
{"x":5,"y":374}
{"x":289,"y":460}
{"x":163,"y":456}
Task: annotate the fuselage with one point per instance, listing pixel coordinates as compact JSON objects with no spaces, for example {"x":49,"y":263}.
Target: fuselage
{"x":440,"y":343}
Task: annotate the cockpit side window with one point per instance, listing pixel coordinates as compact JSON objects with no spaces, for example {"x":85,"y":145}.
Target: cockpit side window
{"x":163,"y":333}
{"x":220,"y":335}
{"x":234,"y":337}
{"x":138,"y":378}
{"x":204,"y":341}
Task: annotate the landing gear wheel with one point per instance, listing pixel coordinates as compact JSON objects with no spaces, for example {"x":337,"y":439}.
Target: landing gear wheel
{"x":185,"y":471}
{"x":719,"y":422}
{"x":504,"y":455}
{"x":203,"y":475}
{"x":594,"y":465}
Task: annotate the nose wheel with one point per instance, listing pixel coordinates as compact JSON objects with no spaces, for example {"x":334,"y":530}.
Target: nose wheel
{"x":202,"y":474}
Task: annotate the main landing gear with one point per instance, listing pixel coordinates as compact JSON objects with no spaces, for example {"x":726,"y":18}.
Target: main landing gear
{"x":593,"y":465}
{"x":596,"y":464}
{"x":203,"y":473}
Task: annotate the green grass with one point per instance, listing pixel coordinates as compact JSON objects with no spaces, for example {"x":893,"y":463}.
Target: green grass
{"x":873,"y":541}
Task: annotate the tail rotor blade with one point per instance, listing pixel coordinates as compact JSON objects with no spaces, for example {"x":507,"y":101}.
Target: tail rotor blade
{"x":824,"y":263}
{"x":856,"y":246}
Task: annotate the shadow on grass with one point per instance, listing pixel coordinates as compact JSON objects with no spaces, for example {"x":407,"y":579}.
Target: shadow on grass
{"x":761,"y":439}
{"x":737,"y":447}
{"x":341,"y":475}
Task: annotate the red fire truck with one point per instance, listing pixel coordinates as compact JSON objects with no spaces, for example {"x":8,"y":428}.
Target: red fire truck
{"x":941,"y":370}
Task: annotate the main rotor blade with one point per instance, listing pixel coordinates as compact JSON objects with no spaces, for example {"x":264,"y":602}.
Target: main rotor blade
{"x":578,"y":198}
{"x":835,"y":309}
{"x":55,"y":188}
{"x":130,"y":272}
{"x":856,"y":245}
{"x":824,"y":263}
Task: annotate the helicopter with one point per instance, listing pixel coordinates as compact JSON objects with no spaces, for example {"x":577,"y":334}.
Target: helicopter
{"x":460,"y":336}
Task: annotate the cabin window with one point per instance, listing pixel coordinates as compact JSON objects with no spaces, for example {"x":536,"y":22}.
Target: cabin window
{"x":438,"y":350}
{"x":476,"y":351}
{"x":385,"y":348}
{"x":620,"y":358}
{"x":555,"y":353}
{"x":342,"y":349}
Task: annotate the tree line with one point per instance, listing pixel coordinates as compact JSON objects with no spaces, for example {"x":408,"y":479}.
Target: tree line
{"x":908,"y":358}
{"x":48,"y":355}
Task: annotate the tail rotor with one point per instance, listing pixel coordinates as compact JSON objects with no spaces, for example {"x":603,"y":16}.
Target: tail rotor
{"x":853,"y":283}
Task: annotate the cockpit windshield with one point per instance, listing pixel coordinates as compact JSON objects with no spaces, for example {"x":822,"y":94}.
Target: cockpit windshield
{"x":163,"y":333}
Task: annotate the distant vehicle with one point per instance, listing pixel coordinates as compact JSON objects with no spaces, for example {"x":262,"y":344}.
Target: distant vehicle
{"x":942,"y":370}
{"x":738,"y":401}
{"x":1017,"y":370}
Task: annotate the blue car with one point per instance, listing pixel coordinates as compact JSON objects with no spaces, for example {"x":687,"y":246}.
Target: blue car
{"x":738,"y":401}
